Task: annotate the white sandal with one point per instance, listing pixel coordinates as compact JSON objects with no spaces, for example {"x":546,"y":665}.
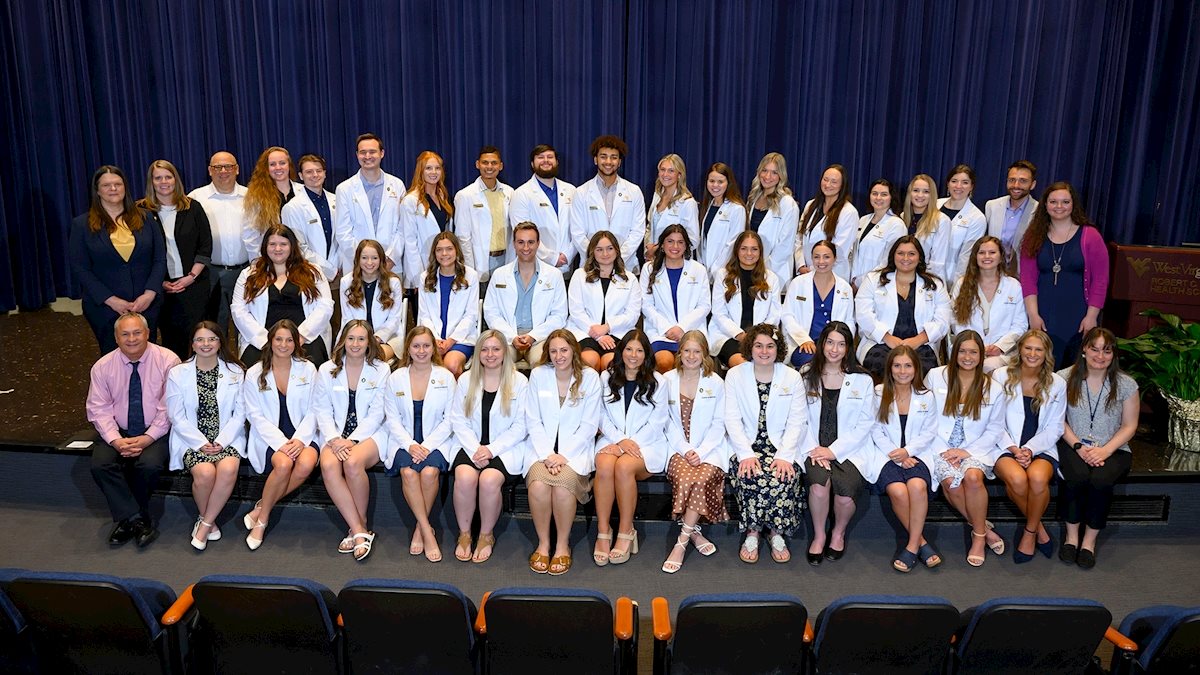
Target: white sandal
{"x":200,"y":544}
{"x":670,"y":566}
{"x":707,"y":548}
{"x":779,"y":545}
{"x":366,"y":545}
{"x":346,"y":545}
{"x":251,"y":542}
{"x":749,"y":548}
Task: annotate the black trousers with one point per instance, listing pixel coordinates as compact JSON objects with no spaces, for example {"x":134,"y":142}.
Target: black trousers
{"x":128,"y":481}
{"x":180,"y":314}
{"x":1086,"y":491}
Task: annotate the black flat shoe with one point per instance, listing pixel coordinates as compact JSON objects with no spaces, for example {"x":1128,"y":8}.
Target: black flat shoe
{"x":814,"y":559}
{"x":146,"y":532}
{"x":1086,"y":559}
{"x":122,"y":533}
{"x":1069,"y":553}
{"x":832,"y":553}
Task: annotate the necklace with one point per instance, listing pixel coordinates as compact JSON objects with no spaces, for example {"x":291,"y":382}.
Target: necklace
{"x":1057,"y":256}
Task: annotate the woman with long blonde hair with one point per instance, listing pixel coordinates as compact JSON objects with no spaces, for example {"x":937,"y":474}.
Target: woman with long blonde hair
{"x":929,"y":225}
{"x":672,"y":203}
{"x":772,"y":212}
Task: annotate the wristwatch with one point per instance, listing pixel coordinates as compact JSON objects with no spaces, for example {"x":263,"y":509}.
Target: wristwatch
{"x":1077,"y":446}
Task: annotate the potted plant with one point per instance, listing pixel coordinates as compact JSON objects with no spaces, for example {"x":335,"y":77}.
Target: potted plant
{"x":1166,"y":358}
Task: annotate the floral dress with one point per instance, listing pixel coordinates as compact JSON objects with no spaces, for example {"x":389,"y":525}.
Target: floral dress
{"x":208,"y":420}
{"x":764,"y":501}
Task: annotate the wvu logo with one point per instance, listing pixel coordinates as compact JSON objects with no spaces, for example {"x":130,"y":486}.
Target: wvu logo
{"x":1139,"y":265}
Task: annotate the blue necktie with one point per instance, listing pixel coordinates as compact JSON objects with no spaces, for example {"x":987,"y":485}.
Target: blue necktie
{"x":136,"y":422}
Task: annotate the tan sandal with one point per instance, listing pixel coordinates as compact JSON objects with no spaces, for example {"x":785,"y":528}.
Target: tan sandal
{"x":976,"y":560}
{"x":463,"y":544}
{"x":487,"y":541}
{"x":562,"y":563}
{"x":618,"y":556}
{"x":539,"y":563}
{"x":601,"y":559}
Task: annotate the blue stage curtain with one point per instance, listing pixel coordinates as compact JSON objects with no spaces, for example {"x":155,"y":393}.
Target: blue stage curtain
{"x":1103,"y":94}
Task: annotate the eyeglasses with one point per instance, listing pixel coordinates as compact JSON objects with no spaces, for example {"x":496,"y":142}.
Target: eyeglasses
{"x":222,"y":167}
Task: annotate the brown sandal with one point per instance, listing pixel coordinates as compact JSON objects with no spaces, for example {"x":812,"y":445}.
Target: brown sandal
{"x":485,"y":541}
{"x":562,"y":562}
{"x":464,"y":543}
{"x":539,"y":563}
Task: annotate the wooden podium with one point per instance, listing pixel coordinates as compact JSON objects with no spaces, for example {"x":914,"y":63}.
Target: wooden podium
{"x":1163,"y":277}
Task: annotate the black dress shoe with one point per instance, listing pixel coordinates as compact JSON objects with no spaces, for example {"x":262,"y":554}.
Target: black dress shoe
{"x":1086,"y":559}
{"x":832,"y":553}
{"x":121,"y":533}
{"x":1068,"y":553}
{"x":146,"y":532}
{"x":814,"y":559}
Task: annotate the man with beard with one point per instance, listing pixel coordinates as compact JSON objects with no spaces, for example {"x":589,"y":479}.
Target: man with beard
{"x":609,"y":202}
{"x":545,"y":201}
{"x":1008,"y":217}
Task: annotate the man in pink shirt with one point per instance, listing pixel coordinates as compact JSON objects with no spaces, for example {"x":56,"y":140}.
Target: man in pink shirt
{"x":126,"y":404}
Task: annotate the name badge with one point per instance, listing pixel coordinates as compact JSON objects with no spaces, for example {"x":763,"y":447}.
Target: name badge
{"x":478,"y":206}
{"x":543,"y":204}
{"x":594,"y":208}
{"x":501,"y":285}
{"x":312,"y":221}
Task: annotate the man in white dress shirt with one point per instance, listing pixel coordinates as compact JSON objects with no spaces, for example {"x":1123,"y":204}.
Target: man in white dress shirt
{"x":526,"y":299}
{"x":545,"y":200}
{"x":1008,"y":217}
{"x":222,"y":201}
{"x":481,"y":216}
{"x":369,"y":206}
{"x":609,"y":202}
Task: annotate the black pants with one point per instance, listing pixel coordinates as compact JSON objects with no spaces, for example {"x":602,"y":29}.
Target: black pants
{"x":1086,"y":491}
{"x":128,"y":481}
{"x":180,"y":314}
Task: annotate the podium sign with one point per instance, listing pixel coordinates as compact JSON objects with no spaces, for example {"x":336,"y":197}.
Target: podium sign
{"x":1165,"y":278}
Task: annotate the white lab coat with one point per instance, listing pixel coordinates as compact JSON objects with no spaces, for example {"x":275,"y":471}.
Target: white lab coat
{"x":693,"y":295}
{"x":549,"y":307}
{"x":1051,"y":415}
{"x":856,"y":407}
{"x":1004,"y":323}
{"x":727,"y":314}
{"x":262,"y":410}
{"x":716,"y":248}
{"x":872,"y":250}
{"x":966,"y":228}
{"x":843,"y":238}
{"x":473,"y":225}
{"x":250,"y":317}
{"x":919,"y":431}
{"x":787,"y":421}
{"x":300,"y":215}
{"x":643,"y":423}
{"x":936,"y":245}
{"x":419,"y":228}
{"x":981,"y":435}
{"x":332,"y":404}
{"x":571,"y":426}
{"x":354,"y":221}
{"x":628,"y":220}
{"x":435,"y":422}
{"x":683,"y":212}
{"x":530,"y":204}
{"x":252,"y":236}
{"x":995,"y":212}
{"x":462,"y":314}
{"x":876,"y":308}
{"x":707,"y":426}
{"x":586,"y":302}
{"x":800,"y":302}
{"x":183,"y":402}
{"x":778,"y":232}
{"x":388,"y":323}
{"x":509,"y":439}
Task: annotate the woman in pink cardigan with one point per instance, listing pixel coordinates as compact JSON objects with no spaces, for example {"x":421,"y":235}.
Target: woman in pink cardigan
{"x":1064,"y":271}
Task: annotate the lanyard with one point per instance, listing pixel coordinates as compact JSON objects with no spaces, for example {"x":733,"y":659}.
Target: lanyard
{"x":1093,"y":409}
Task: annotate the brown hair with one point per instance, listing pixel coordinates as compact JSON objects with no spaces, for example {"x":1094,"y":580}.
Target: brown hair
{"x":225,"y":354}
{"x":98,"y":218}
{"x":733,"y":268}
{"x":967,"y":403}
{"x":264,"y":358}
{"x":405,"y":359}
{"x":888,"y":395}
{"x":150,"y":201}
{"x":1039,"y":225}
{"x":460,"y":266}
{"x":968,"y":292}
{"x":591,"y":268}
{"x":354,"y":293}
{"x":299,"y":271}
{"x":1078,"y":373}
{"x":576,"y":360}
{"x":732,"y":192}
{"x":770,"y":330}
{"x":339,"y":350}
{"x":816,"y":207}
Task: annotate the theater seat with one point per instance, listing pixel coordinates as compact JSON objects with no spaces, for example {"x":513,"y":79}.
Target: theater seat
{"x":251,"y":624}
{"x":557,"y":631}
{"x":734,"y":633}
{"x":1037,"y":636}
{"x":93,"y":623}
{"x":381,"y":635}
{"x":16,"y":646}
{"x":884,"y":634}
{"x":1169,"y":637}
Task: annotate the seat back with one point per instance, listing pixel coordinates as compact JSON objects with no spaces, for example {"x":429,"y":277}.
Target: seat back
{"x":884,"y":634}
{"x":16,"y":649}
{"x":1169,"y":637}
{"x":1032,"y":635}
{"x":94,"y":623}
{"x":382,"y":636}
{"x":264,"y":624}
{"x":538,"y":630}
{"x":740,"y":633}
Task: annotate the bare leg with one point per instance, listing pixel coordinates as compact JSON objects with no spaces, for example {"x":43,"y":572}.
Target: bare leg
{"x":1016,"y":484}
{"x":466,"y":487}
{"x":1040,"y":474}
{"x":918,"y":508}
{"x":491,"y":482}
{"x":628,"y":470}
{"x":898,"y":493}
{"x":227,"y":471}
{"x":410,"y":483}
{"x":690,"y":518}
{"x":591,"y":359}
{"x":605,"y":359}
{"x":429,"y":490}
{"x":664,"y":360}
{"x":564,"y":518}
{"x":603,"y":496}
{"x":541,"y":508}
{"x":204,"y":476}
{"x":454,"y":362}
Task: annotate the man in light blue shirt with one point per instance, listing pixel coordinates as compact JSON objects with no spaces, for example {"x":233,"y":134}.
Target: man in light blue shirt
{"x":526,"y":299}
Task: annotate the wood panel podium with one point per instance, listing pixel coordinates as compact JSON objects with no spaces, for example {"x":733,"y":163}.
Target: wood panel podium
{"x":1163,"y":277}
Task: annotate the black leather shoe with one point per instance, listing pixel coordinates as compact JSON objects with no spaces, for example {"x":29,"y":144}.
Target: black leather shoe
{"x":1068,"y":553}
{"x":1086,"y":559}
{"x":121,"y":533}
{"x":146,"y":532}
{"x":814,"y":559}
{"x":832,"y":553}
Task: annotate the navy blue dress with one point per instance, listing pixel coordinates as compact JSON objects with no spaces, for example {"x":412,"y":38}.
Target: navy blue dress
{"x":1062,"y":305}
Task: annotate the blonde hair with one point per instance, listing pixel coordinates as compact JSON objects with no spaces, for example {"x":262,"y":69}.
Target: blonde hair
{"x":708,"y":365}
{"x":681,"y":188}
{"x":474,"y":374}
{"x":929,"y":219}
{"x":756,"y":188}
{"x":150,"y":201}
{"x":1012,"y":383}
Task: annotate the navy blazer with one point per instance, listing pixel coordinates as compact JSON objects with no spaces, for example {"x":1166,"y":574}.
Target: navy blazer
{"x":102,"y":273}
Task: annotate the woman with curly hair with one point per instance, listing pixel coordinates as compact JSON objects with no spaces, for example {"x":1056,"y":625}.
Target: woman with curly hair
{"x":745,"y":293}
{"x":272,"y":184}
{"x":372,"y":293}
{"x":449,"y":302}
{"x":987,"y":300}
